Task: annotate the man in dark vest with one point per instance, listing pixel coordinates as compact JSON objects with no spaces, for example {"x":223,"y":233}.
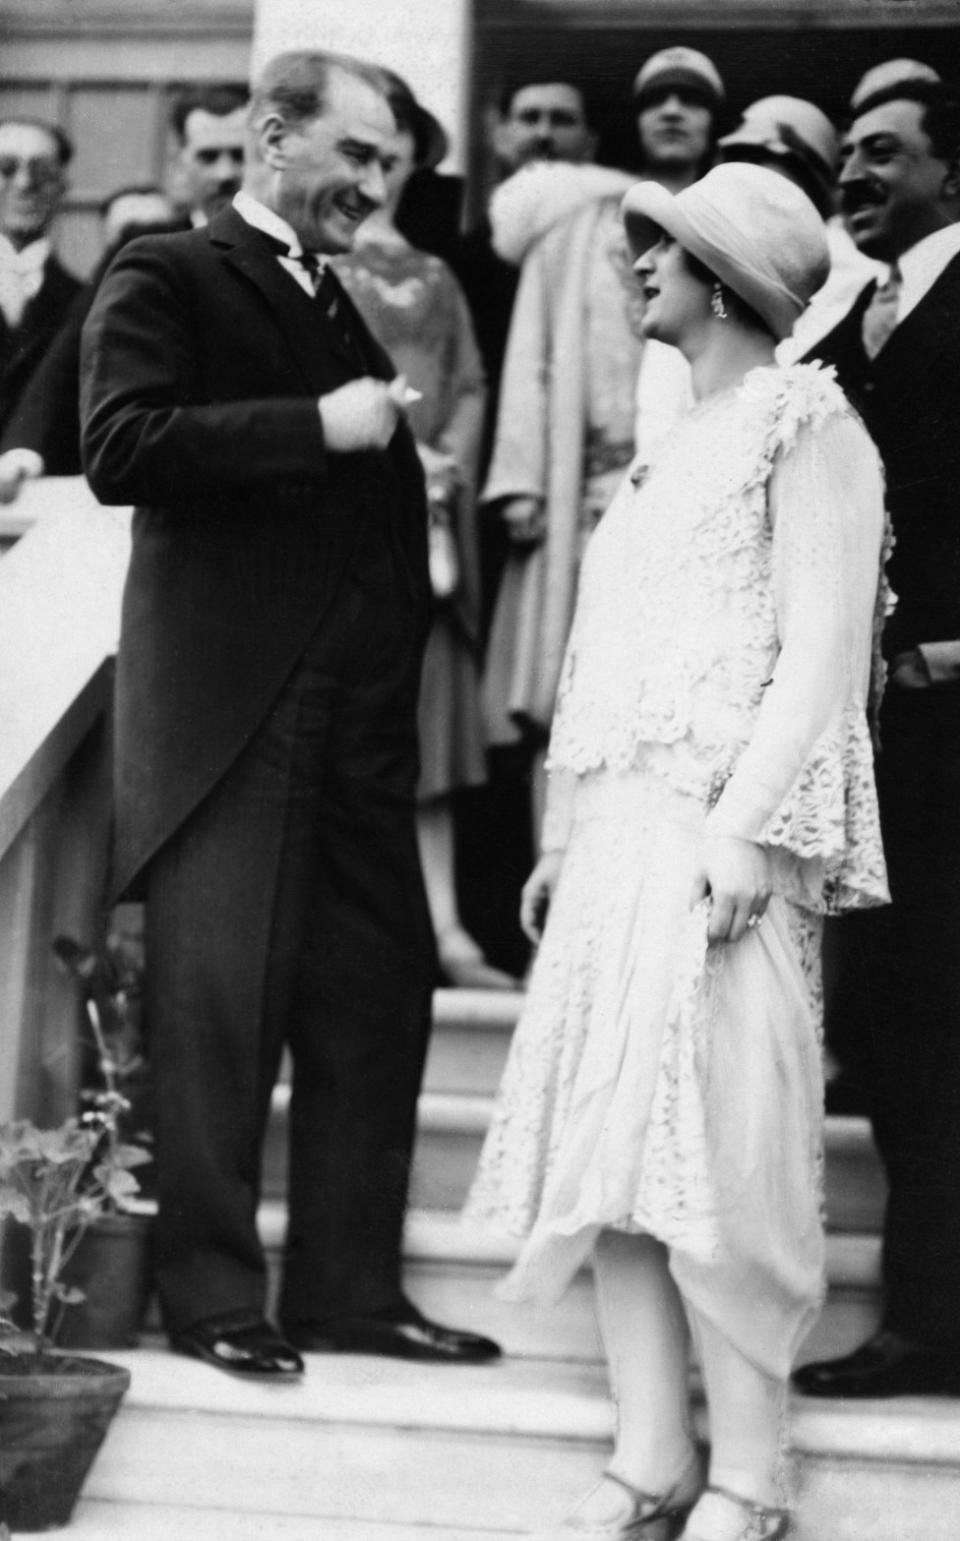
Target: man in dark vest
{"x":274,"y":618}
{"x":41,"y":436}
{"x":35,"y":288}
{"x":896,"y":1009}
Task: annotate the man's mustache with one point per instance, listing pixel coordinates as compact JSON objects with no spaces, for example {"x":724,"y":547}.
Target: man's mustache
{"x":861,"y":195}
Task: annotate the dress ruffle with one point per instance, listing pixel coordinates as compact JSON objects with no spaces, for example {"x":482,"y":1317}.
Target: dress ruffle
{"x":829,"y":822}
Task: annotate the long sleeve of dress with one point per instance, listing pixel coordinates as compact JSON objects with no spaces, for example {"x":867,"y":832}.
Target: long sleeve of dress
{"x":461,"y":434}
{"x":519,"y":465}
{"x":461,"y":437}
{"x":810,"y":752}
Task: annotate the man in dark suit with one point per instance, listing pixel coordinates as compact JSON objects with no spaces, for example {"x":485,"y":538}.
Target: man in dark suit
{"x":35,"y":288}
{"x":896,"y":1009}
{"x":274,"y":617}
{"x":42,"y":434}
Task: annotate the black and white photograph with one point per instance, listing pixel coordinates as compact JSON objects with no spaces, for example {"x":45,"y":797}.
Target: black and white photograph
{"x":480,"y":770}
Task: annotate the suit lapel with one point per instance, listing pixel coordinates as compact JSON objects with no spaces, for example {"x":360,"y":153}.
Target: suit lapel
{"x":929,"y":331}
{"x":309,"y":335}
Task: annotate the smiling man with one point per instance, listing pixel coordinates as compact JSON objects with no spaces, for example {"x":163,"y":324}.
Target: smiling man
{"x":274,"y":619}
{"x":894,"y":1017}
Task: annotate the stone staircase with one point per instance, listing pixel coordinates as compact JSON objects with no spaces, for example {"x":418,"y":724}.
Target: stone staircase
{"x":377,"y":1450}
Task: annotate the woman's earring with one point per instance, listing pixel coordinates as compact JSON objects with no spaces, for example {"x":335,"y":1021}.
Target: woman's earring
{"x":716,"y":302}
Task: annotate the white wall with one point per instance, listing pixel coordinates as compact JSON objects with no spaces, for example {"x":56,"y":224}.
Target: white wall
{"x":425,"y":41}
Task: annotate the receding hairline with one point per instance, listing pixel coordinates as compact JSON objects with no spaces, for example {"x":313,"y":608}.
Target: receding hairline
{"x":296,"y":84}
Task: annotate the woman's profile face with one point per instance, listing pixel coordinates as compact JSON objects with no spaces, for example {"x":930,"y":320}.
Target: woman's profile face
{"x":675,"y":300}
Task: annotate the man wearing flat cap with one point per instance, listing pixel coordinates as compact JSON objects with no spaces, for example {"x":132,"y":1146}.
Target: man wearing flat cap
{"x":567,"y":423}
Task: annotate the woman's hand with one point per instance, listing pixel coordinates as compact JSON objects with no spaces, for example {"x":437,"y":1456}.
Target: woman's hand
{"x":735,"y":875}
{"x":525,"y":519}
{"x":537,"y":894}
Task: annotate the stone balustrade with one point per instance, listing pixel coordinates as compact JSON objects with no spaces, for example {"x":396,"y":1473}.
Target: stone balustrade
{"x":60,"y":587}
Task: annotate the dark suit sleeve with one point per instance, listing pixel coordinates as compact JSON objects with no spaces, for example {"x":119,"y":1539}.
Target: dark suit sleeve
{"x":148,"y":435}
{"x":47,"y":417}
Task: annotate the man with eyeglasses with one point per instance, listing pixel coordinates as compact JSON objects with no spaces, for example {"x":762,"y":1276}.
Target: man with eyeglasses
{"x":35,"y":289}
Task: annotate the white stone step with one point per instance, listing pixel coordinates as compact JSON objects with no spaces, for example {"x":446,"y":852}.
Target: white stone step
{"x":471,"y":1035}
{"x":97,"y":1520}
{"x":494,"y":1448}
{"x":451,"y":1128}
{"x":451,"y":1271}
{"x":470,"y":1039}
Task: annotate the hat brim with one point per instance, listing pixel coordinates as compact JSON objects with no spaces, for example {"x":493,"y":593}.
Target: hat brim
{"x":681,"y":77}
{"x":648,"y":210}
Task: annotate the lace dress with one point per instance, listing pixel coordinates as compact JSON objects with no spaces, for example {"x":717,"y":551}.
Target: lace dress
{"x":717,"y":678}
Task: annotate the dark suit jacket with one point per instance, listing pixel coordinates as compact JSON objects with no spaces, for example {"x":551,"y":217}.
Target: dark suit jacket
{"x":909,"y":397}
{"x":22,"y":349}
{"x":201,"y":368}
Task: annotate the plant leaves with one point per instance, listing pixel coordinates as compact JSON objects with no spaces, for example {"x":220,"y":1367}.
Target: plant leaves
{"x":15,"y":1204}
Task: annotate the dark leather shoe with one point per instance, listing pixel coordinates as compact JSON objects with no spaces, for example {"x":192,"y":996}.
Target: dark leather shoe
{"x":887,"y":1365}
{"x":251,"y":1348}
{"x":401,"y":1334}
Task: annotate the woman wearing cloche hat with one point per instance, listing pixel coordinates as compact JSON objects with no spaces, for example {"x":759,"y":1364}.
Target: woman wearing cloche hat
{"x":711,"y":798}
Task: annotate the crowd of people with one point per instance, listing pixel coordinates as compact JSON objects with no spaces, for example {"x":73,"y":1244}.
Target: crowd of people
{"x":694,"y":430}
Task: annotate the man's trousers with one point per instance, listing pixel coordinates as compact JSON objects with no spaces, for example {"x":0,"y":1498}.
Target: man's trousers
{"x":289,"y":911}
{"x":895,"y":1016}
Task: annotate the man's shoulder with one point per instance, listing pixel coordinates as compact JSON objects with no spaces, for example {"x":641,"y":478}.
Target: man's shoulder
{"x":165,"y":257}
{"x":945,"y":289}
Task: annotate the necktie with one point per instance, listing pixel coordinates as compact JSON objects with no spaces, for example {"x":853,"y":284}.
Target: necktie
{"x":880,"y":316}
{"x":328,"y":295}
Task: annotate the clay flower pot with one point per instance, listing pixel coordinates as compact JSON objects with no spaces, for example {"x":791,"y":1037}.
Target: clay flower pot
{"x":54,"y":1413}
{"x":111,"y":1268}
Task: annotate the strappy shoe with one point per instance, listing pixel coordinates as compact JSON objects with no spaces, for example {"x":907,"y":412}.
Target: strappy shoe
{"x":721,"y":1515}
{"x":650,"y":1517}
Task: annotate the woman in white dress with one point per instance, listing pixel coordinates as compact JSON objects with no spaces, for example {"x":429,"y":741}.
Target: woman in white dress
{"x":711,"y":798}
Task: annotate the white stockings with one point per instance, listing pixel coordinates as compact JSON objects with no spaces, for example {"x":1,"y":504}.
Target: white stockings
{"x":644,"y":1326}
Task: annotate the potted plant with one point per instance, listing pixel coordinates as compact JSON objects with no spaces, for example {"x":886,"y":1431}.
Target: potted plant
{"x":109,"y":1270}
{"x":55,"y":1408}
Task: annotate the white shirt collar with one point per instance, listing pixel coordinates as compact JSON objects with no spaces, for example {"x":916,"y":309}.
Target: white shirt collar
{"x":257,"y":214}
{"x":29,"y":259}
{"x":21,"y":276}
{"x":922,"y":265}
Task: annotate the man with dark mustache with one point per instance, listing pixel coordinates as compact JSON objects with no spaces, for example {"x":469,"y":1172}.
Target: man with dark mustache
{"x":896,"y":1010}
{"x":274,"y":618}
